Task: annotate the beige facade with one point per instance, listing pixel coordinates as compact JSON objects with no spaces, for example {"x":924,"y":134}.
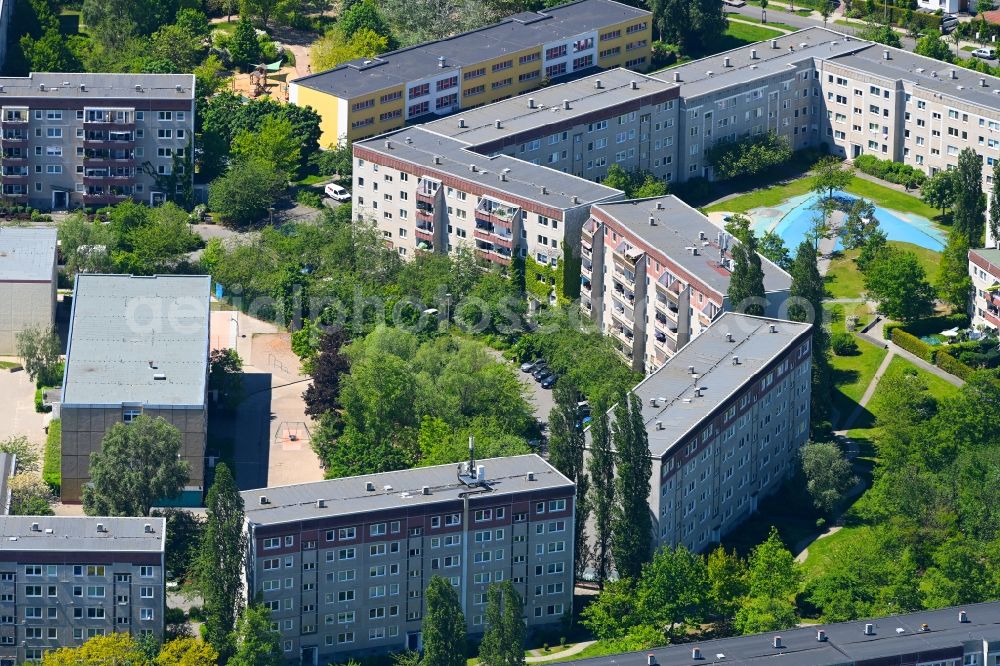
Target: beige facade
{"x":91,"y":140}
{"x":28,"y":278}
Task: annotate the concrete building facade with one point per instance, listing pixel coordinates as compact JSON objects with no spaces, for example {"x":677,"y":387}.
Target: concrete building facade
{"x":343,"y":564}
{"x":655,"y":274}
{"x":65,"y":579}
{"x":984,"y":269}
{"x":91,"y":140}
{"x":28,"y":280}
{"x":428,"y":193}
{"x":725,"y":417}
{"x":137,"y":346}
{"x":370,"y":96}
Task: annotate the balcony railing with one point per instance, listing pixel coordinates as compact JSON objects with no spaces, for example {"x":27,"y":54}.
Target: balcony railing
{"x":104,"y":198}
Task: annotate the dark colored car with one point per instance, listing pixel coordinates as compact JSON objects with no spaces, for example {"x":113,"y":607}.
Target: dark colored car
{"x":549,"y":382}
{"x":544,"y":375}
{"x":540,"y":371}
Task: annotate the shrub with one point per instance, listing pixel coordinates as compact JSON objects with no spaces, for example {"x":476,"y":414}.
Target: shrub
{"x":927,"y":325}
{"x":913,"y":344}
{"x":40,"y":405}
{"x":951,"y":365}
{"x":889,"y":171}
{"x":309,"y":197}
{"x":843,"y":344}
{"x":52,"y":465}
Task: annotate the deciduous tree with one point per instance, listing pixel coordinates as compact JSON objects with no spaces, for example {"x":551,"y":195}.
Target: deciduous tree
{"x":970,"y":202}
{"x":115,"y":648}
{"x":828,"y":474}
{"x":138,"y":465}
{"x":25,"y":453}
{"x":328,"y":369}
{"x":860,"y":224}
{"x":631,"y":525}
{"x":243,"y":195}
{"x":773,"y":247}
{"x":602,"y":490}
{"x":220,"y":561}
{"x":187,"y":652}
{"x":566,"y":446}
{"x":39,"y":349}
{"x":830,"y":176}
{"x":932,"y":46}
{"x":726,"y":582}
{"x":940,"y":190}
{"x":443,"y":626}
{"x":244,"y":48}
{"x":746,"y":283}
{"x":673,"y":592}
{"x":257,"y":643}
{"x":898,"y":282}
{"x":503,"y":641}
{"x":273,"y":141}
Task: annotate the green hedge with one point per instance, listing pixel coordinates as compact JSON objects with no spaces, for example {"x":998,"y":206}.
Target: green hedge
{"x":951,"y":365}
{"x":913,"y":344}
{"x":927,"y":326}
{"x":889,"y":171}
{"x":52,"y":466}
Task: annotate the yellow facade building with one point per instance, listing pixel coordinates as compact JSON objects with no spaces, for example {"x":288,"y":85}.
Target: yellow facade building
{"x":367,"y":97}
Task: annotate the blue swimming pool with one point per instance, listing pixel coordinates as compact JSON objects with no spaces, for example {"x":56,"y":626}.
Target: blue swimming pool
{"x":793,"y":219}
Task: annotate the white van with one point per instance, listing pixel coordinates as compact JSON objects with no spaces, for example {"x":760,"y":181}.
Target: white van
{"x":336,"y":192}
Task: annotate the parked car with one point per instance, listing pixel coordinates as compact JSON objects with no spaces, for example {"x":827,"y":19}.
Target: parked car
{"x":336,"y":192}
{"x":545,"y":374}
{"x":549,"y":381}
{"x":531,"y":365}
{"x":948,"y":23}
{"x":734,"y":3}
{"x":985,"y":54}
{"x":539,"y":371}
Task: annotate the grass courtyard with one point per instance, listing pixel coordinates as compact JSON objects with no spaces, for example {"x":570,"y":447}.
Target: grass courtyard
{"x":844,"y":280}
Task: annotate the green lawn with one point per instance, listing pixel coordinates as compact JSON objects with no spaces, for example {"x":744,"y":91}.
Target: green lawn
{"x":890,"y":198}
{"x":9,"y":365}
{"x":747,"y":32}
{"x":936,"y":387}
{"x":770,"y":24}
{"x":851,"y":374}
{"x":844,"y":280}
{"x":821,"y":550}
{"x":801,"y":11}
{"x":764,"y":197}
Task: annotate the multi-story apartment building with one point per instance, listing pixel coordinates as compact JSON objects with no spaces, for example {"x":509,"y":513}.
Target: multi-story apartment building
{"x":137,"y":345}
{"x":655,"y":274}
{"x":370,"y":96}
{"x":984,"y":268}
{"x":429,"y":193}
{"x":581,"y":127}
{"x":343,"y":564}
{"x":725,"y":417}
{"x":64,"y":579}
{"x":71,"y":140}
{"x":28,"y":279}
{"x":957,"y":636}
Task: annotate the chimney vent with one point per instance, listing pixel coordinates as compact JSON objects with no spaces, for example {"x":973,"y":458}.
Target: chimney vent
{"x":425,"y":490}
{"x":461,"y":122}
{"x":35,"y":527}
{"x":566,"y":104}
{"x":736,"y":360}
{"x":982,"y":82}
{"x":677,"y":77}
{"x":138,"y":88}
{"x":531,"y":102}
{"x":726,"y":62}
{"x":473,"y":168}
{"x":480,"y":473}
{"x":696,"y":653}
{"x":869,"y":629}
{"x":963,"y":617}
{"x":503,"y":177}
{"x":777,"y":642}
{"x":659,"y":425}
{"x":634,"y":84}
{"x":369,"y":486}
{"x":530,"y":476}
{"x":543,"y":189}
{"x":753,"y":54}
{"x":147,"y":528}
{"x":387,"y":488}
{"x":437,"y":159}
{"x":774,"y":329}
{"x":925,"y":627}
{"x":729,"y":337}
{"x":388,"y":144}
{"x":652,"y":221}
{"x":821,"y":636}
{"x":262,"y":500}
{"x":659,"y":205}
{"x":598,"y":84}
{"x":886,"y":54}
{"x":498,"y":124}
{"x":100,"y":527}
{"x":83,"y":87}
{"x":575,"y":199}
{"x":653,"y":402}
{"x":952,"y":73}
{"x":774,"y":43}
{"x":441,"y":61}
{"x":690,"y":369}
{"x":650,"y":659}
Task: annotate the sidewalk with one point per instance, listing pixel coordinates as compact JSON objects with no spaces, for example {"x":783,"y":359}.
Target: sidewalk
{"x":576,"y":649}
{"x":874,"y":336}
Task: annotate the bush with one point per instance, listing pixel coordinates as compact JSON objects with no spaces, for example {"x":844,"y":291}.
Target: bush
{"x":951,"y":365}
{"x":309,"y":197}
{"x":40,"y":405}
{"x":913,"y":344}
{"x":843,"y":344}
{"x":927,"y":325}
{"x":889,"y":171}
{"x":52,"y":465}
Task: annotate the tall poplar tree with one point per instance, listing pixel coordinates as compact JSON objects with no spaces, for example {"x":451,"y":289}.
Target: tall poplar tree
{"x":602,"y":491}
{"x":746,"y":284}
{"x":443,"y":626}
{"x":220,"y":562}
{"x":566,"y":446}
{"x":970,"y":203}
{"x":632,"y":527}
{"x":995,"y":204}
{"x":503,"y":641}
{"x":808,"y":290}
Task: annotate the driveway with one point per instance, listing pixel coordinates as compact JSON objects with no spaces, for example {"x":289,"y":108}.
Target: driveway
{"x":17,"y":408}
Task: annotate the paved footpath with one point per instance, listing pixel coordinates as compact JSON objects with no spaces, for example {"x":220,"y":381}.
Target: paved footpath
{"x":576,"y":649}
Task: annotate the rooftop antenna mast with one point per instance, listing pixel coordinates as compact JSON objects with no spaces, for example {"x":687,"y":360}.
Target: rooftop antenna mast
{"x":472,"y":456}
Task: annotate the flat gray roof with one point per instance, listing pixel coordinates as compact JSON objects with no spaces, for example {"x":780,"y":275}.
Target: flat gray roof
{"x":80,"y":533}
{"x":419,"y":146}
{"x":967,"y":86}
{"x":678,"y":227}
{"x":710,"y":74}
{"x":27,"y":254}
{"x":348,"y":496}
{"x":846,"y":642}
{"x":511,"y":35}
{"x":517,"y":116}
{"x":98,"y":87}
{"x":122,"y":325}
{"x":678,"y":408}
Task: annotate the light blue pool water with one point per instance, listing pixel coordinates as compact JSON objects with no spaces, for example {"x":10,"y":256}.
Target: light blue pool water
{"x":793,"y":219}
